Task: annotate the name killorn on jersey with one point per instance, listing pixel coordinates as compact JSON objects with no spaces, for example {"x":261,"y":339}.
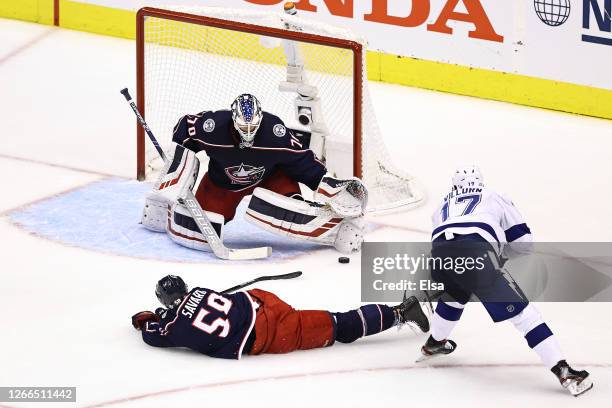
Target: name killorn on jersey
{"x":468,"y":190}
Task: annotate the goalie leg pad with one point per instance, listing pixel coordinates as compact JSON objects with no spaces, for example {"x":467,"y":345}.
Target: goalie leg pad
{"x":183,"y":230}
{"x":155,"y":212}
{"x":293,"y":218}
{"x":179,"y":171}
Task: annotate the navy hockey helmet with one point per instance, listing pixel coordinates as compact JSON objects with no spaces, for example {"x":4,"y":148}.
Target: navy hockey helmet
{"x":247,"y":116}
{"x":170,"y":290}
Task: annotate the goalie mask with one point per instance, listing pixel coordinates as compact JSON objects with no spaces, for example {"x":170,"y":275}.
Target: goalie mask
{"x":171,"y":290}
{"x":467,"y":176}
{"x":247,"y":116}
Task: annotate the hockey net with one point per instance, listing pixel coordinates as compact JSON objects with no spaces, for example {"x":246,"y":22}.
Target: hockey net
{"x":192,"y":59}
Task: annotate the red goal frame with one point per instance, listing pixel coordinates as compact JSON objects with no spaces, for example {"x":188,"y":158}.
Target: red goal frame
{"x":354,"y":46}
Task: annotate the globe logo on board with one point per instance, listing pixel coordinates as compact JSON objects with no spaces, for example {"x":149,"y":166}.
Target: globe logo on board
{"x":552,"y":12}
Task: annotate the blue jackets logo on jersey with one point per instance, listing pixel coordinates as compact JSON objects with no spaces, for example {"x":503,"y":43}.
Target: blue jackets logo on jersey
{"x":279,"y":130}
{"x":209,"y":125}
{"x":245,"y":174}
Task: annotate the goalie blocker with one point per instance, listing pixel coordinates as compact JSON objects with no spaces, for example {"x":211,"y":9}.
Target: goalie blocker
{"x":335,"y":221}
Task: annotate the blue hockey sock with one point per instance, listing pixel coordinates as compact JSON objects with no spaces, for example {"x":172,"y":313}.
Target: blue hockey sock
{"x":365,"y":321}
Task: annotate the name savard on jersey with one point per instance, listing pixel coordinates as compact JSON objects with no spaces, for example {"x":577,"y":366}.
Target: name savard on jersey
{"x":212,"y":323}
{"x":236,"y":168}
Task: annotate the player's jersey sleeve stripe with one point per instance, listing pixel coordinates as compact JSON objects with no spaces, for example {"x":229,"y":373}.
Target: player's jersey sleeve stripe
{"x":517,"y":231}
{"x":178,"y":310}
{"x":251,"y":325}
{"x":480,"y":225}
{"x":283,"y":149}
{"x":213,"y":144}
{"x":153,"y":330}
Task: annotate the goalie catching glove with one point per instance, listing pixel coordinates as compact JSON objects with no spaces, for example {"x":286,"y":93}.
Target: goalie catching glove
{"x":347,"y":198}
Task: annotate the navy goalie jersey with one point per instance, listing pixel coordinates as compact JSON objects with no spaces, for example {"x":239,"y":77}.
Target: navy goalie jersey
{"x":234,"y":168}
{"x":211,"y":323}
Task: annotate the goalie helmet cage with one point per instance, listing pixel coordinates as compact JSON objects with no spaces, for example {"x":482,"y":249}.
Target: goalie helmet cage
{"x":191,"y":59}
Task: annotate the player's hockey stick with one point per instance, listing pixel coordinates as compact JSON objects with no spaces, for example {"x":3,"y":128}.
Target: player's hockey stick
{"x":263,"y":278}
{"x":192,"y":205}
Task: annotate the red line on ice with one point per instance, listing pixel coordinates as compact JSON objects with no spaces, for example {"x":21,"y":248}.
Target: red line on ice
{"x":314,"y":374}
{"x":26,"y":45}
{"x":59,"y":166}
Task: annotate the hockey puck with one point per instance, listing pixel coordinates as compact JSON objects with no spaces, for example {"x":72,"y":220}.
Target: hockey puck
{"x":344,"y":259}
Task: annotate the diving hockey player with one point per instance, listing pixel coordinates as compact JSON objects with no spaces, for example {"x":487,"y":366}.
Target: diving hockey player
{"x":257,"y":322}
{"x":251,"y":152}
{"x":476,"y":222}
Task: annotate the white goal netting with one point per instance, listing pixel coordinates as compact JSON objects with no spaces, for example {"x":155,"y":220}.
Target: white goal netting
{"x":190,"y":67}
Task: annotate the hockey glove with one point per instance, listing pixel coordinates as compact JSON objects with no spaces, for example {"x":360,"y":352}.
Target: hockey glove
{"x":140,"y":318}
{"x":347,"y":198}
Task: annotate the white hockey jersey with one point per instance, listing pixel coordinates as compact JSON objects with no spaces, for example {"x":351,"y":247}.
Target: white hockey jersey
{"x":479,"y":210}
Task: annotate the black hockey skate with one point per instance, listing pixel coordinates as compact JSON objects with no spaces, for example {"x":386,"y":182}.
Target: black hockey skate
{"x":433,"y":348}
{"x":576,"y":382}
{"x":409,"y":311}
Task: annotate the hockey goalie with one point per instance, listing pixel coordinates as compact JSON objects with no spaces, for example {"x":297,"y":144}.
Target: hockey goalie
{"x":252,"y":152}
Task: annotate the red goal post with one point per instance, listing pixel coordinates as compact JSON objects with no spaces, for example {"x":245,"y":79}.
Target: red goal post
{"x":145,"y":12}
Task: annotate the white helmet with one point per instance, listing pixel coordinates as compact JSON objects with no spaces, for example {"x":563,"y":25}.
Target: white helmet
{"x":247,"y":116}
{"x":467,"y":176}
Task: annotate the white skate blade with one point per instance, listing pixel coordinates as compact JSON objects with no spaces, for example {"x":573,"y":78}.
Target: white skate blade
{"x":424,"y":357}
{"x":577,"y":389}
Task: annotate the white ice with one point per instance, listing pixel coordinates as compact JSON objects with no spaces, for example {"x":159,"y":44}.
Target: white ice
{"x":66,"y":310}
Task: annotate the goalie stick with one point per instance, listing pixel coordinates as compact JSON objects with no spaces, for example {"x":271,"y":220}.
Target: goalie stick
{"x":290,"y":275}
{"x":192,"y":205}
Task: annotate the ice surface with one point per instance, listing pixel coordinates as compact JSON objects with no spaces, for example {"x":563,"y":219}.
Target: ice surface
{"x":76,"y":218}
{"x":66,"y":308}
